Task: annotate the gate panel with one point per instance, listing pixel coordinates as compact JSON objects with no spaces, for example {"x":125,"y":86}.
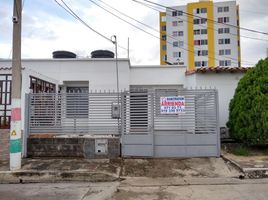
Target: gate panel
{"x":193,"y":133}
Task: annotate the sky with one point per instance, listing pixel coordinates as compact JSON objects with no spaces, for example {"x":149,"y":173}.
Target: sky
{"x":46,"y":27}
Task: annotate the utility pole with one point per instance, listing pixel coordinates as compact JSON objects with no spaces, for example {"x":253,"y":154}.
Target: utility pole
{"x":15,"y":127}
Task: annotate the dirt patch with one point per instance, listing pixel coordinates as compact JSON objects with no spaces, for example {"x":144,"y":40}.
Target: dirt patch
{"x":192,"y":167}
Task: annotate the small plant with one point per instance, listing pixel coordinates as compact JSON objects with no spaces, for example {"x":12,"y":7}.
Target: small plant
{"x":241,"y":151}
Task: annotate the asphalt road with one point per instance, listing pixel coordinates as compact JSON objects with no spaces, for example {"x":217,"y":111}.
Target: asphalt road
{"x":150,"y":190}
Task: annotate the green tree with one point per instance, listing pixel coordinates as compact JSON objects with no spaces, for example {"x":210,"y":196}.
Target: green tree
{"x":248,"y":110}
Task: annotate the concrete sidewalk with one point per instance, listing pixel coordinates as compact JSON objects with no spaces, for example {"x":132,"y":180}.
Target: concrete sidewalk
{"x":107,"y":170}
{"x":60,"y":170}
{"x":251,"y":166}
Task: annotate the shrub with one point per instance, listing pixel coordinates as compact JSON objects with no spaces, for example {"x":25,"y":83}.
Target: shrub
{"x":248,"y":110}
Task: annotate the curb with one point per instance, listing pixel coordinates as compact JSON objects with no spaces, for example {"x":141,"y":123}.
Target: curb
{"x":251,"y":173}
{"x":235,"y":164}
{"x":34,"y":176}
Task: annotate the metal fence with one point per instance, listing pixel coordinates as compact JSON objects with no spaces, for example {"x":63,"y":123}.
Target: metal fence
{"x":74,"y":113}
{"x":137,"y":116}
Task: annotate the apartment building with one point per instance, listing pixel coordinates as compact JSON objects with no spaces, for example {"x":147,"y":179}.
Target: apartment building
{"x":201,"y":34}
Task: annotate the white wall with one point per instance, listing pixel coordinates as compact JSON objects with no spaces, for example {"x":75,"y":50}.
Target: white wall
{"x":225,"y":83}
{"x":100,"y":73}
{"x":157,"y":75}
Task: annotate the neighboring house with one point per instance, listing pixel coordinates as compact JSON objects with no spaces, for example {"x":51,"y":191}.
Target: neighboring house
{"x":201,"y":34}
{"x":32,"y":81}
{"x":99,"y":74}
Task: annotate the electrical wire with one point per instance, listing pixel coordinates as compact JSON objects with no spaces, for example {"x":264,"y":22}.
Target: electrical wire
{"x":233,"y":59}
{"x":155,"y":8}
{"x":231,"y":25}
{"x":72,"y":13}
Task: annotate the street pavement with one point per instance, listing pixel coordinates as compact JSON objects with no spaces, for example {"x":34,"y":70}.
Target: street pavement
{"x":141,"y":189}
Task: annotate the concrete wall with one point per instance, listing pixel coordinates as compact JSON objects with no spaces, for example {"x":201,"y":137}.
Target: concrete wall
{"x":71,"y":147}
{"x":225,"y":83}
{"x":157,"y":75}
{"x":100,"y":73}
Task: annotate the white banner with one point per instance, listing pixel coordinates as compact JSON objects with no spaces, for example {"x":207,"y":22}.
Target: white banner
{"x":172,"y":105}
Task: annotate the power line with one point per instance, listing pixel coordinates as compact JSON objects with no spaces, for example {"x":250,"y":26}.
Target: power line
{"x":154,"y":8}
{"x":147,"y":26}
{"x":72,"y":13}
{"x":231,"y":25}
{"x":156,"y":29}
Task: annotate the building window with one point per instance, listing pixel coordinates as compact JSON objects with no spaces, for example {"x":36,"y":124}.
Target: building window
{"x":40,"y":86}
{"x":223,"y":9}
{"x":203,"y":10}
{"x":164,"y":37}
{"x":5,"y":101}
{"x":221,"y":52}
{"x":225,"y":63}
{"x":77,"y":100}
{"x":164,"y":47}
{"x":175,"y":44}
{"x":177,"y":13}
{"x":197,"y":11}
{"x":175,"y":23}
{"x":204,"y":63}
{"x":227,"y":51}
{"x":175,"y":54}
{"x":204,"y":31}
{"x":201,"y":63}
{"x":197,"y":32}
{"x":203,"y":20}
{"x":197,"y":42}
{"x":180,"y":13}
{"x":180,"y":43}
{"x":224,"y":41}
{"x":223,"y":19}
{"x":164,"y":28}
{"x":196,"y":21}
{"x":204,"y":42}
{"x":197,"y":64}
{"x":164,"y":58}
{"x":223,"y":30}
{"x":226,"y":9}
{"x":163,"y":18}
{"x":177,"y":33}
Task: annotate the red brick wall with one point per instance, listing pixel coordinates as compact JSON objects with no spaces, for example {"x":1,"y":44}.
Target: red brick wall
{"x":4,"y":144}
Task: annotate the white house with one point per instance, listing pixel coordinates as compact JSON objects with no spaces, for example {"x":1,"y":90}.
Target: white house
{"x":99,"y":74}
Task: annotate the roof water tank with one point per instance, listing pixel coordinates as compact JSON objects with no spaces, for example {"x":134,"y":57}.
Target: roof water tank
{"x":102,"y":54}
{"x":63,"y":54}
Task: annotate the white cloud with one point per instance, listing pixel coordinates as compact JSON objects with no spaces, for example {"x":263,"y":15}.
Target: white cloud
{"x":46,"y":29}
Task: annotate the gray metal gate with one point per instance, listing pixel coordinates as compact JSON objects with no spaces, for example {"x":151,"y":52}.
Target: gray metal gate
{"x":144,"y":129}
{"x":193,"y":133}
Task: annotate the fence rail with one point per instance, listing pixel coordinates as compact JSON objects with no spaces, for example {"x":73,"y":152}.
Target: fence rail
{"x":138,"y":112}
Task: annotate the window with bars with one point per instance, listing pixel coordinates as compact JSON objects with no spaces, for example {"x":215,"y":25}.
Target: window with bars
{"x":5,"y":101}
{"x":40,"y":86}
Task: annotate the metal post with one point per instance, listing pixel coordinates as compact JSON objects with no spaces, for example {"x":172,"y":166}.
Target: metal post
{"x":15,"y":129}
{"x":114,"y":41}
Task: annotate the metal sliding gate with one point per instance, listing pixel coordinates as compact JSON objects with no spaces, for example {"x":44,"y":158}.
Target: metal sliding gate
{"x":150,"y":129}
{"x":158,"y":123}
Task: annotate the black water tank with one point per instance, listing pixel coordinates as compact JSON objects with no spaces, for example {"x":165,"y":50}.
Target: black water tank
{"x":102,"y":54}
{"x":63,"y":54}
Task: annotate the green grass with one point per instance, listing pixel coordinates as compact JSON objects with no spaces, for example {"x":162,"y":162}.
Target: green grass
{"x":241,"y":151}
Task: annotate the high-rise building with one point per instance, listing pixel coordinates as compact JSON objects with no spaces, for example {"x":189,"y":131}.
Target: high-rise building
{"x":201,"y":34}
